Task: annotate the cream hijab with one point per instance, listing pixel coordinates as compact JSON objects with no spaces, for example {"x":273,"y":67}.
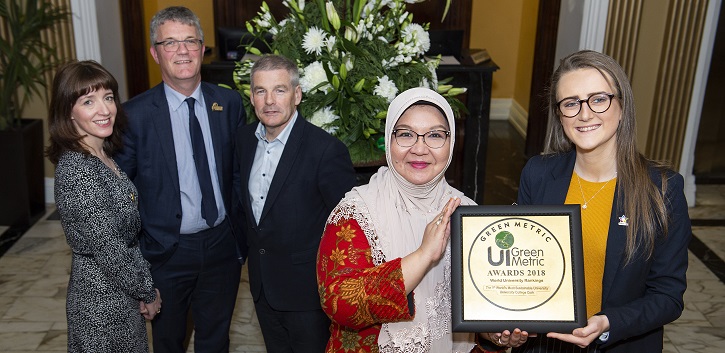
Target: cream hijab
{"x":399,"y":211}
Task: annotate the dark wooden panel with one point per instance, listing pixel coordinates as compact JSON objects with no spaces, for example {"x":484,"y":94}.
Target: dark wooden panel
{"x":135,"y":46}
{"x":234,"y":13}
{"x":544,"y":55}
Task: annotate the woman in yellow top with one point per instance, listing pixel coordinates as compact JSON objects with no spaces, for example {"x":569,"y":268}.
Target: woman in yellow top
{"x":634,"y":214}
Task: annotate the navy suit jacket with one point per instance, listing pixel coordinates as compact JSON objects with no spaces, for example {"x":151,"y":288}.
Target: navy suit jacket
{"x":149,"y":159}
{"x":313,"y":174}
{"x":643,"y":296}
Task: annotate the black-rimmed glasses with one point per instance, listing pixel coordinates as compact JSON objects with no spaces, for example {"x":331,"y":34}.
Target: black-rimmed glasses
{"x":172,"y":45}
{"x":432,"y":139}
{"x":598,"y":103}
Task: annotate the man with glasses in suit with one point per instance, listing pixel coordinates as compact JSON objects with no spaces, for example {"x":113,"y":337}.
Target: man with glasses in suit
{"x":178,"y":151}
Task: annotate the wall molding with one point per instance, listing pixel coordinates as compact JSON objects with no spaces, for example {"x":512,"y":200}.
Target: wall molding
{"x":510,"y":110}
{"x":500,"y":108}
{"x":49,"y":190}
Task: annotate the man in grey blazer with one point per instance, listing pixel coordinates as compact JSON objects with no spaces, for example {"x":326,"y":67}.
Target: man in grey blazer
{"x":179,"y":152}
{"x":292,"y":175}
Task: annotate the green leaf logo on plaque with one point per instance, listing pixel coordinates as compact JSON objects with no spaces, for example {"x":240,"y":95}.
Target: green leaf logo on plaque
{"x":504,"y":240}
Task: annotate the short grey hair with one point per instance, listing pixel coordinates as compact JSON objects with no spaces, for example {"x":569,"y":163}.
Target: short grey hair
{"x":276,"y":62}
{"x":179,"y":14}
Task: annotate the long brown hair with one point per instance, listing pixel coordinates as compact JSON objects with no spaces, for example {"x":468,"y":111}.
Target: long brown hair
{"x":638,"y":196}
{"x":73,"y":80}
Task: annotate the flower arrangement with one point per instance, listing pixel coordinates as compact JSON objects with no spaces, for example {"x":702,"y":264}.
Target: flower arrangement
{"x":354,"y":58}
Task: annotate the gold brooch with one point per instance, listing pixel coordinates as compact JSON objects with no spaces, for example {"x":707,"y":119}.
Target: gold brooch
{"x":216,"y":107}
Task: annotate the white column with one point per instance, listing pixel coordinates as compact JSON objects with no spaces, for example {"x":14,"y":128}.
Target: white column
{"x":85,"y":30}
{"x":594,"y":25}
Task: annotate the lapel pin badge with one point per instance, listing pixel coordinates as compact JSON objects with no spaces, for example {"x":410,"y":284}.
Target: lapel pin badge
{"x":624,"y":221}
{"x":216,"y":107}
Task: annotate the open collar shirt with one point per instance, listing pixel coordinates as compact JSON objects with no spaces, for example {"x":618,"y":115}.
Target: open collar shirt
{"x":266,"y":159}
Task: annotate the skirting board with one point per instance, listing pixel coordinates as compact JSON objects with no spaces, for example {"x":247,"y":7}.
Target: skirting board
{"x":49,"y":190}
{"x":509,"y":109}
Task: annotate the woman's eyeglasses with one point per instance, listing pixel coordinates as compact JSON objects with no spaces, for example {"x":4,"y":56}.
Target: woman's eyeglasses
{"x":598,"y":103}
{"x":432,"y":139}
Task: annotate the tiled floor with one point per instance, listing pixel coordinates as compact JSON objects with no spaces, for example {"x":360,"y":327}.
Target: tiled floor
{"x":34,"y":273}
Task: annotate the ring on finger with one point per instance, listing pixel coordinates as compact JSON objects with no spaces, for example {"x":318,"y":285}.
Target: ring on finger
{"x":499,"y":341}
{"x":440,"y":219}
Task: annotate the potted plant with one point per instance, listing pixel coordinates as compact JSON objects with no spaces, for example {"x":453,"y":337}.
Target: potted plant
{"x":24,"y":59}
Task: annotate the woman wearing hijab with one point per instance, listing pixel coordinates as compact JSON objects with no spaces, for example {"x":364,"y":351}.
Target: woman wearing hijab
{"x":635,"y":225}
{"x":384,"y":262}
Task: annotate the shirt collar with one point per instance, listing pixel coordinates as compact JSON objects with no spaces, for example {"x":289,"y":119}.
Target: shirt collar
{"x":283,"y":136}
{"x":176,"y":99}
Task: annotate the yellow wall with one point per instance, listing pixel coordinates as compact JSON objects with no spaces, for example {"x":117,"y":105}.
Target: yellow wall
{"x":507,"y":29}
{"x":202,"y":8}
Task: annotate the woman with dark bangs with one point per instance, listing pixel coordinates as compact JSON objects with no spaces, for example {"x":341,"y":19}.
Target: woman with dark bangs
{"x":110,"y":290}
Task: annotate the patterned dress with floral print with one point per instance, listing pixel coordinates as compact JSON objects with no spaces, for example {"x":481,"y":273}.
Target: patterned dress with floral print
{"x":359,"y":290}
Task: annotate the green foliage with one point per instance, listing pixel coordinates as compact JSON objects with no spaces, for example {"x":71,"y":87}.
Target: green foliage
{"x":354,"y":57}
{"x":24,"y":57}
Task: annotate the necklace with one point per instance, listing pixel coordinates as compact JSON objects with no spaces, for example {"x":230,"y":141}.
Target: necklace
{"x":584,"y":198}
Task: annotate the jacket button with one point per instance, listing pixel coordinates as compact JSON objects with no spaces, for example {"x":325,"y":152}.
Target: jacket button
{"x":262,"y":251}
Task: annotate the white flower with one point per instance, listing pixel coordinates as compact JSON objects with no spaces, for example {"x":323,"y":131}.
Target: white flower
{"x":300,"y":4}
{"x":314,"y":40}
{"x":432,"y":65}
{"x":418,"y":36}
{"x":313,"y":75}
{"x":325,"y":118}
{"x":386,"y":88}
{"x":349,"y":65}
{"x":330,"y":43}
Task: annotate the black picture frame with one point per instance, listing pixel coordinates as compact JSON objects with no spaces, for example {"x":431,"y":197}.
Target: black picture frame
{"x":534,"y":283}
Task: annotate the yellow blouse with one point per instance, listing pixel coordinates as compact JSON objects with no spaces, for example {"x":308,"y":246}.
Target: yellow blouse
{"x":598,"y":198}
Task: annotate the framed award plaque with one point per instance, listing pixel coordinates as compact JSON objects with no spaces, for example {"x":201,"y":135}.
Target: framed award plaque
{"x":517,"y":267}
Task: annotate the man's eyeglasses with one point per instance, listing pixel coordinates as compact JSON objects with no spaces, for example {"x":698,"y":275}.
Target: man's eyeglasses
{"x":432,"y":139}
{"x":172,"y":45}
{"x":598,"y":103}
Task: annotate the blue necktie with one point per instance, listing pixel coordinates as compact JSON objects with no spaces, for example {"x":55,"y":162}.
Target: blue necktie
{"x":208,"y":202}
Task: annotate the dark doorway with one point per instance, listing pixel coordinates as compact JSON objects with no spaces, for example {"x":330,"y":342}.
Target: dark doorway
{"x":709,"y":167}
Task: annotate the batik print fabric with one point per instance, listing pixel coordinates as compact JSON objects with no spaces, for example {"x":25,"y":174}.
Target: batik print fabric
{"x":358,"y":295}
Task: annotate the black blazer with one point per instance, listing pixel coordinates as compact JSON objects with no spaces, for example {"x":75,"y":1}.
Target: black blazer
{"x":313,"y":174}
{"x":640,"y":298}
{"x":149,"y":159}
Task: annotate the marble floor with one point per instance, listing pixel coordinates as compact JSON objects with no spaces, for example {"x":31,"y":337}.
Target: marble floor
{"x":34,"y":273}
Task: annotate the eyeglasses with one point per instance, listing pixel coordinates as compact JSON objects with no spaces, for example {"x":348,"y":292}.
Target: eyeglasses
{"x":172,"y":45}
{"x":432,"y":139}
{"x":598,"y":103}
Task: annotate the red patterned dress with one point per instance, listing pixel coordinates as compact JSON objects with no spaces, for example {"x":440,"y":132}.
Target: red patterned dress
{"x":358,"y":295}
{"x":361,"y":291}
